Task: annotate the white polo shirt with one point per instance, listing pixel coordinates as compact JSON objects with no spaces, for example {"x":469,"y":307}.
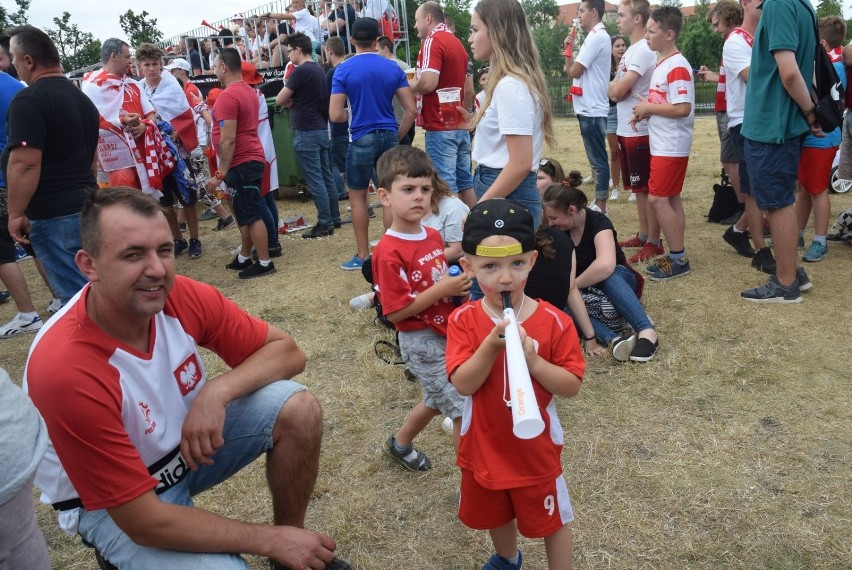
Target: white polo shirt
{"x":589,"y":90}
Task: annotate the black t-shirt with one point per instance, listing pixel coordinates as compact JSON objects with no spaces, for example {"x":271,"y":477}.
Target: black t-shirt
{"x":310,"y":97}
{"x":341,"y":128}
{"x":195,"y":61}
{"x":550,"y":279}
{"x":350,"y":17}
{"x":586,"y":253}
{"x":54,"y":116}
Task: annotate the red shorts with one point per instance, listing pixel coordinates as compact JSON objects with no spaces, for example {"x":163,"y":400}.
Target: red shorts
{"x":667,"y":175}
{"x":815,"y":169}
{"x":125,"y":177}
{"x":540,"y":510}
{"x":635,"y":158}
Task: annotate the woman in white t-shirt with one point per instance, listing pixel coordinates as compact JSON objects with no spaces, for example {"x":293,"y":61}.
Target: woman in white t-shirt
{"x":515,"y":118}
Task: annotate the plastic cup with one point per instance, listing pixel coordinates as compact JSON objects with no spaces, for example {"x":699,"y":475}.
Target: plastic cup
{"x":448,"y":99}
{"x":410,"y":73}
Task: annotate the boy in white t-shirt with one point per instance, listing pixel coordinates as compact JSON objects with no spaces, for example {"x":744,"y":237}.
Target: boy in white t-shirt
{"x":669,"y":109}
{"x":633,"y":77}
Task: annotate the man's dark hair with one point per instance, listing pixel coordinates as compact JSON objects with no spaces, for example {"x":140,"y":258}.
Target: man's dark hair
{"x":669,"y":18}
{"x":112,"y":47}
{"x":231,"y":58}
{"x":5,"y":44}
{"x":596,"y":5}
{"x":149,"y":52}
{"x":335,"y":45}
{"x":386,"y":43}
{"x":97,"y":199}
{"x":300,"y":41}
{"x":449,"y":21}
{"x":34,"y":43}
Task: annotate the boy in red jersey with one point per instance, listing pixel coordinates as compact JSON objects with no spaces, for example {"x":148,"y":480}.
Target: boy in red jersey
{"x":511,"y":485}
{"x":416,"y":293}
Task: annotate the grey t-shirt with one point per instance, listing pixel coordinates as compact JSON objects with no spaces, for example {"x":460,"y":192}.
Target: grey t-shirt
{"x":23,"y":438}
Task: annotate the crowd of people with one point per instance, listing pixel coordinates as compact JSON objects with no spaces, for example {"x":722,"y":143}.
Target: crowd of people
{"x":98,"y":180}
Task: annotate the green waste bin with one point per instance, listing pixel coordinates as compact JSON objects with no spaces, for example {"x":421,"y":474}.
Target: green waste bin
{"x":290,"y":173}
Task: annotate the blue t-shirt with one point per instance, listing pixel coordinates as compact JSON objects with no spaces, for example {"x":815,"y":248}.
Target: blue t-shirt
{"x":9,"y":87}
{"x":370,"y":81}
{"x":832,"y":139}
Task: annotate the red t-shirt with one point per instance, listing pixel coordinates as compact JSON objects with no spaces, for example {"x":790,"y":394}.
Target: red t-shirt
{"x":193,"y":95}
{"x":238,"y":102}
{"x":405,"y":265}
{"x":488,"y":447}
{"x":444,"y":54}
{"x":114,"y":413}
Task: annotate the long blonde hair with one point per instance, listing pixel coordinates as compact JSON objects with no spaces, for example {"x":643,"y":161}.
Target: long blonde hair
{"x":514,"y":53}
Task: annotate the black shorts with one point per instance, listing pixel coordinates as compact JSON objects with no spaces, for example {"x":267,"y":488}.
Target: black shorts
{"x":7,"y":244}
{"x":171,"y":193}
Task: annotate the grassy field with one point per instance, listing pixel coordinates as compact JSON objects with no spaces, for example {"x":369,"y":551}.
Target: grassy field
{"x":732,"y":448}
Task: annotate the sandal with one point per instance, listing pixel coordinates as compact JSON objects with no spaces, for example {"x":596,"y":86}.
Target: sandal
{"x":417,"y":463}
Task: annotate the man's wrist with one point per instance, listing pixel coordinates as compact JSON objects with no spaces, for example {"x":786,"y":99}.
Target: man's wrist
{"x":219,"y":174}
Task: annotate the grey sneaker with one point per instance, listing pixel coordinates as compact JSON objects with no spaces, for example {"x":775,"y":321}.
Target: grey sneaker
{"x":803,"y":279}
{"x":773,"y":292}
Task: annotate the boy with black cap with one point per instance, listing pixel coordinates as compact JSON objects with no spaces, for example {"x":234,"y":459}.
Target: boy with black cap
{"x":509,"y":484}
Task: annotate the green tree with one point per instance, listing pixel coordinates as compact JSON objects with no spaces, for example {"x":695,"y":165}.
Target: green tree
{"x":16,"y":18}
{"x":699,"y":44}
{"x":540,"y":13}
{"x":139,"y":28}
{"x":548,"y":40}
{"x":829,"y":8}
{"x":77,"y":49}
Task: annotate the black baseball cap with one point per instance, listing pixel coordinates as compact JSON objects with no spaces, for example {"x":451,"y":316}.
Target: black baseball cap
{"x":365,"y":30}
{"x":498,"y":217}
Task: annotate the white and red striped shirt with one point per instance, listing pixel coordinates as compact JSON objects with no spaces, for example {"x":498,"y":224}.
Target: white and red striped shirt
{"x":671,"y":84}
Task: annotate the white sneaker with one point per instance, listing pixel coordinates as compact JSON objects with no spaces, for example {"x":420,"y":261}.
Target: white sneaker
{"x":19,"y":325}
{"x":632,"y":197}
{"x":54,"y":306}
{"x":615,"y":193}
{"x":364,"y":301}
{"x":447,"y":425}
{"x":590,"y":179}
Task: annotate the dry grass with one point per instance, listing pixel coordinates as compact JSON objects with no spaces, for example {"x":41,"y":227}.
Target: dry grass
{"x":731,"y":449}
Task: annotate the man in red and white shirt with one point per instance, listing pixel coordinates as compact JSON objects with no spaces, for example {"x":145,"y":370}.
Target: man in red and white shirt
{"x":633,"y":77}
{"x":736,"y":54}
{"x":670,"y":110}
{"x":724,"y":17}
{"x":441,"y":64}
{"x":590,"y":71}
{"x":135,"y":427}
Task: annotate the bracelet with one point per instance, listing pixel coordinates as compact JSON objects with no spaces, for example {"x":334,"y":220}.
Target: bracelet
{"x":809,"y":111}
{"x":586,"y":339}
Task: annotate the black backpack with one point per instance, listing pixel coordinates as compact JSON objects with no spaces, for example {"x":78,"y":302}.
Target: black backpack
{"x":828,"y":93}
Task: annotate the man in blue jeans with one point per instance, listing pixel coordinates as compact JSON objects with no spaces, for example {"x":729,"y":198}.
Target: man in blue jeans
{"x":442,"y":63}
{"x":590,"y":71}
{"x":49,"y":161}
{"x":138,"y":429}
{"x":334,"y":51}
{"x":370,"y":83}
{"x":306,"y":94}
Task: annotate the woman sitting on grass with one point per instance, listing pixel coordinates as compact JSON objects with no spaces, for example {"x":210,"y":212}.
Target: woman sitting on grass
{"x":601,"y":264}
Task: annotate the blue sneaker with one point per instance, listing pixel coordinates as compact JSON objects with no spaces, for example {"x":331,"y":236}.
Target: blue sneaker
{"x":21,"y":254}
{"x":354,"y":264}
{"x":815,"y":252}
{"x":665,"y":269}
{"x":497,"y":562}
